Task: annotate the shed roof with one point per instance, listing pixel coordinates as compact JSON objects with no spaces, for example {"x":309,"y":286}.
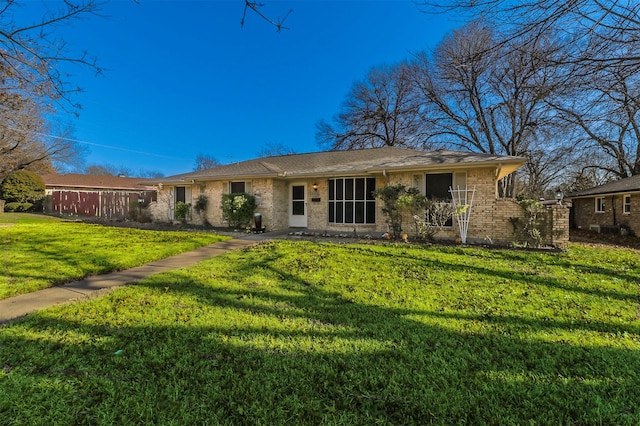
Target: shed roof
{"x":630,"y":184}
{"x":331,"y":163}
{"x":74,"y":180}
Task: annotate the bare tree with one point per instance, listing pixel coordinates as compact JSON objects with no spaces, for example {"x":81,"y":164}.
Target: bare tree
{"x":274,"y":149}
{"x":31,"y":52}
{"x":24,"y":139}
{"x":378,"y":111}
{"x":606,"y":108}
{"x":492,"y":101}
{"x":101,"y":170}
{"x":254,"y":6}
{"x":204,"y":161}
{"x":601,"y":60}
{"x":31,"y":83}
{"x":587,"y":176}
{"x":594,"y":30}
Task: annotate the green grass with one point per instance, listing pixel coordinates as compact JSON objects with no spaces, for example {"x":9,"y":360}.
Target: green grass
{"x":9,"y":218}
{"x":304,"y":333}
{"x":37,"y":252}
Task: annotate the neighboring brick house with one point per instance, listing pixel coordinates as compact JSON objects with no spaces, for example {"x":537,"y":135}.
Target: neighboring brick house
{"x":108,"y":197}
{"x":331,"y":191}
{"x":611,"y":207}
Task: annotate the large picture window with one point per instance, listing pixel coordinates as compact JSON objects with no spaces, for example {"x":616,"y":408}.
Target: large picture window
{"x":351,"y":200}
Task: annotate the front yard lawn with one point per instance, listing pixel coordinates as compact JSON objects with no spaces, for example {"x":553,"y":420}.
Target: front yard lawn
{"x":37,"y":252}
{"x":307,"y":333}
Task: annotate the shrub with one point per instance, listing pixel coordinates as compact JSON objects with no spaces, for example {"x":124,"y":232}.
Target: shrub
{"x":429,"y":216}
{"x":532,"y":230}
{"x":183,"y":210}
{"x":134,"y":210}
{"x":238,"y":209}
{"x":435,"y":217}
{"x":200,"y":207}
{"x":17,"y":207}
{"x":22,"y":186}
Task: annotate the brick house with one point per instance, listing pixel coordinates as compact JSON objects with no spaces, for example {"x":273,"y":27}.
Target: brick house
{"x":331,"y":191}
{"x":107,"y":197}
{"x":611,"y":207}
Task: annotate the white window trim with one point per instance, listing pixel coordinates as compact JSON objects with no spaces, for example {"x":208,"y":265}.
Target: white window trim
{"x":625,"y":204}
{"x":458,"y":181}
{"x":247,"y":186}
{"x":365,"y":200}
{"x":604,"y":206}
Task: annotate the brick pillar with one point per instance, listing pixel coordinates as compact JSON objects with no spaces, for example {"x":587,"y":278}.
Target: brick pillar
{"x":560,"y":225}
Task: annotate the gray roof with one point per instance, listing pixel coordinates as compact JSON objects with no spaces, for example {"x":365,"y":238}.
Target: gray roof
{"x":630,"y":184}
{"x":374,"y":160}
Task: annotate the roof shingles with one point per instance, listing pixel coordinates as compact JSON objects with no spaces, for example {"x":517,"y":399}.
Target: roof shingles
{"x":630,"y":184}
{"x":343,"y":162}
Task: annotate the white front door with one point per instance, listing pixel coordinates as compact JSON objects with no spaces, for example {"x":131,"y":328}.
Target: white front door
{"x":298,"y":205}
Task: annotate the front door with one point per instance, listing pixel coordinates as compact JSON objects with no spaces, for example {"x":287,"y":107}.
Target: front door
{"x":298,"y":206}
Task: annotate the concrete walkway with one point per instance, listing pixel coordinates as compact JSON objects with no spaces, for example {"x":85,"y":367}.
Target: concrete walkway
{"x":19,"y":306}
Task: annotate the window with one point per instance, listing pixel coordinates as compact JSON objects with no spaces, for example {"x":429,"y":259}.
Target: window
{"x":438,"y":185}
{"x":599,"y":204}
{"x":626,"y":204}
{"x":181,"y":194}
{"x":351,"y":200}
{"x":437,"y":188}
{"x":236,"y":187}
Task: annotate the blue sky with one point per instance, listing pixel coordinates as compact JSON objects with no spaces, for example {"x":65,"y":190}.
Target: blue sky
{"x":183,"y":78}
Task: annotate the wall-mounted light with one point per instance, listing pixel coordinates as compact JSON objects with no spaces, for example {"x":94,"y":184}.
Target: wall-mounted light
{"x":315,"y":187}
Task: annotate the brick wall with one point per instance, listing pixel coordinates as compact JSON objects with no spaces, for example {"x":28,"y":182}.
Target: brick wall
{"x":161,"y":211}
{"x":559,"y":236}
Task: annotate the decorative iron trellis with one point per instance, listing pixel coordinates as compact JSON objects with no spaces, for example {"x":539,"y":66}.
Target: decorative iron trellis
{"x":462,"y":205}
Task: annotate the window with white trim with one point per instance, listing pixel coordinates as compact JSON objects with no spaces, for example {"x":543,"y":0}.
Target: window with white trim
{"x":438,"y":185}
{"x":238,"y":187}
{"x":181,"y":194}
{"x":351,"y":200}
{"x":626,"y":203}
{"x":600,"y":205}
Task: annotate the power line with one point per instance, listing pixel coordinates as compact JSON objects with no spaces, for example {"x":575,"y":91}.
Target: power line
{"x":117,"y":148}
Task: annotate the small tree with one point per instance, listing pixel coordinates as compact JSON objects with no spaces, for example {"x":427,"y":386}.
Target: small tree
{"x":22,"y":186}
{"x":392,"y":210}
{"x":182,"y":211}
{"x":238,"y":209}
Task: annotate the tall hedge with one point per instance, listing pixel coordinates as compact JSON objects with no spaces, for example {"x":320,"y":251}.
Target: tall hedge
{"x":22,"y":186}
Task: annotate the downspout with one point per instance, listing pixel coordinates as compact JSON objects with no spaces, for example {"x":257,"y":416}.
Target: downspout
{"x":613,"y":209}
{"x":498,"y":172}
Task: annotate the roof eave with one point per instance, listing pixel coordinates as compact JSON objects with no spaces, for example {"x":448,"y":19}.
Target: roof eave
{"x":603,"y":194}
{"x":503,"y":168}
